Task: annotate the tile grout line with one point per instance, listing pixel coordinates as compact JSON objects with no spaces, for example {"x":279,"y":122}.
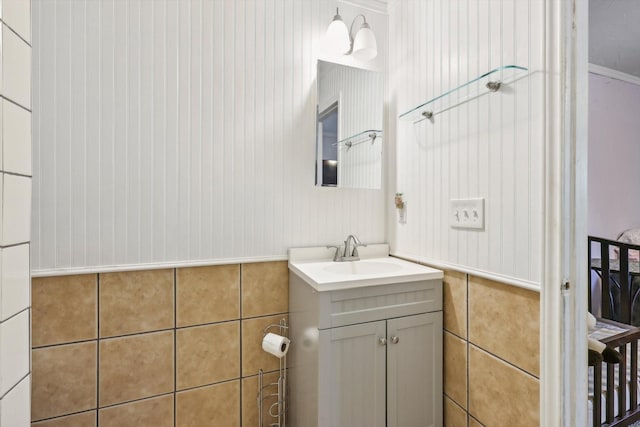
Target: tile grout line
{"x":98,"y":350}
{"x":206,"y":385}
{"x":113,"y":405}
{"x":241,"y":318}
{"x":15,"y":32}
{"x":21,"y":175}
{"x":477,"y":420}
{"x":175,"y":346}
{"x":15,"y":385}
{"x":57,"y":417}
{"x":16,"y":103}
{"x":454,"y":334}
{"x":14,"y":315}
{"x":135,"y":334}
{"x":504,"y":361}
{"x":455,"y":402}
{"x":13,"y":245}
{"x":468,"y":352}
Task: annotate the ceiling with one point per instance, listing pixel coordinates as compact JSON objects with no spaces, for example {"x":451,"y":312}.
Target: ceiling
{"x":614,"y":34}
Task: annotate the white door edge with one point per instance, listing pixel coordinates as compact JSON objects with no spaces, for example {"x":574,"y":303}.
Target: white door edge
{"x":563,"y":356}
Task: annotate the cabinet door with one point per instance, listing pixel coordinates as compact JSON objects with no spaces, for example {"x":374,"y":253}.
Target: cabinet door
{"x":352,"y":376}
{"x":414,"y":371}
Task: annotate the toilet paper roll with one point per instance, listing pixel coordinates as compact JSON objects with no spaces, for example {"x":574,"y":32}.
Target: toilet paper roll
{"x":275,"y":344}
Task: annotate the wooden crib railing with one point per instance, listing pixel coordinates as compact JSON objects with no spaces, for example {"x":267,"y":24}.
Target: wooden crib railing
{"x":632,"y":413}
{"x":618,"y":295}
{"x":620,"y":306}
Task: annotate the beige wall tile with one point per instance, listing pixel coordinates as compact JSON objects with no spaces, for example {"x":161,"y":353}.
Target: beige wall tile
{"x":86,"y":419}
{"x":155,"y":412}
{"x":64,"y":309}
{"x":217,"y":405}
{"x":455,"y":369}
{"x":455,"y":302}
{"x":207,"y":354}
{"x":253,"y":357}
{"x":265,"y":288}
{"x":454,"y":416}
{"x":249,"y":404}
{"x":505,"y":321}
{"x":64,"y":380}
{"x":501,"y":394}
{"x":474,"y":423}
{"x":136,"y":301}
{"x":136,"y":367}
{"x":207,"y":294}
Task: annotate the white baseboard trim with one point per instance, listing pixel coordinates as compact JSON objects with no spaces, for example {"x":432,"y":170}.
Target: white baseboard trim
{"x":520,"y":283}
{"x":152,"y":266}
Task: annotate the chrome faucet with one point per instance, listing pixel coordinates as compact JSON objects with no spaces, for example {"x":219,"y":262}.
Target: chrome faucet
{"x":350,"y":252}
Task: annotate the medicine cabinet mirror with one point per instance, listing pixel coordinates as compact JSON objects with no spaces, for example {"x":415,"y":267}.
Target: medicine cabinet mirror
{"x":349,"y":134}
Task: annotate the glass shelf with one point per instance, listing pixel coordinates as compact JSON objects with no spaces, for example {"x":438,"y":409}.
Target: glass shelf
{"x":496,"y":78}
{"x":365,"y":136}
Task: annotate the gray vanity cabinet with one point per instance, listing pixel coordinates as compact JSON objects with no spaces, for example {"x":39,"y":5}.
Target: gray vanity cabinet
{"x":377,"y":361}
{"x":414,"y":371}
{"x":353,"y":389}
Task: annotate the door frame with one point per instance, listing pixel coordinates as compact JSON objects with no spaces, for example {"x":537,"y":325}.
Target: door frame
{"x":563,"y":341}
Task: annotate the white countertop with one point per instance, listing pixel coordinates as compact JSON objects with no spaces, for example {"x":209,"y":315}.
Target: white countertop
{"x":375,"y":267}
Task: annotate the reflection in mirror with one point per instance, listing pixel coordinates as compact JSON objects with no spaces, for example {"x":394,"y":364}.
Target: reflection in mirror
{"x":349,"y":127}
{"x":328,"y":136}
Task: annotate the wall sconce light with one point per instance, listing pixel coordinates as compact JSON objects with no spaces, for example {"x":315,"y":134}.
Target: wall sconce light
{"x":363,"y":46}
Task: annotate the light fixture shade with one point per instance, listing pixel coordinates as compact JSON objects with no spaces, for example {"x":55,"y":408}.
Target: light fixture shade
{"x":365,"y":47}
{"x":338,"y":36}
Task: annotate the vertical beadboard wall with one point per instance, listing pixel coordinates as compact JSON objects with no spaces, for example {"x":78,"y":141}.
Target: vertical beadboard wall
{"x":491,"y":147}
{"x":361,"y":96}
{"x":170,"y":131}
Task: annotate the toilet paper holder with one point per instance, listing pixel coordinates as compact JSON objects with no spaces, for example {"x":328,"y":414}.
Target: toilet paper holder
{"x":277,"y":410}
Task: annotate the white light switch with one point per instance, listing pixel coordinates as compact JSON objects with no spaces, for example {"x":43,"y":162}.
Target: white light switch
{"x":467,"y":213}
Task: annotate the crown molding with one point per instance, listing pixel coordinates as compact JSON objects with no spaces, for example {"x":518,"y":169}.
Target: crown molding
{"x":614,"y":74}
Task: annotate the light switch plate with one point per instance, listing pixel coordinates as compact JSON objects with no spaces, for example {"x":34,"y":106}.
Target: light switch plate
{"x":467,"y":213}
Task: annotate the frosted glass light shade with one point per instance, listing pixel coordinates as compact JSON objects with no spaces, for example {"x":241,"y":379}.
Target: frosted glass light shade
{"x":338,"y":36}
{"x":365,"y":47}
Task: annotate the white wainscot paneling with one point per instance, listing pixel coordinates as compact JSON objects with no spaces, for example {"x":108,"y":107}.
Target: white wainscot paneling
{"x":489,"y":146}
{"x":172,"y":131}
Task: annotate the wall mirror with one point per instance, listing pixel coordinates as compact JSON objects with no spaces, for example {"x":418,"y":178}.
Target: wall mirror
{"x":349,"y":127}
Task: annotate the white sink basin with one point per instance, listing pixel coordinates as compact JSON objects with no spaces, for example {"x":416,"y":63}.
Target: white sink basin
{"x":362,"y":267}
{"x":316,"y":267}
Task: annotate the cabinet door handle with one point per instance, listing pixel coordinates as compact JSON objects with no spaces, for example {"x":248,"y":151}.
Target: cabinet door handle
{"x":395,"y":339}
{"x":382,"y":341}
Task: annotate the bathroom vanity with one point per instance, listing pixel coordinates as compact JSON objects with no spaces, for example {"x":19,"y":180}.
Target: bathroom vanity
{"x":366,"y":341}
